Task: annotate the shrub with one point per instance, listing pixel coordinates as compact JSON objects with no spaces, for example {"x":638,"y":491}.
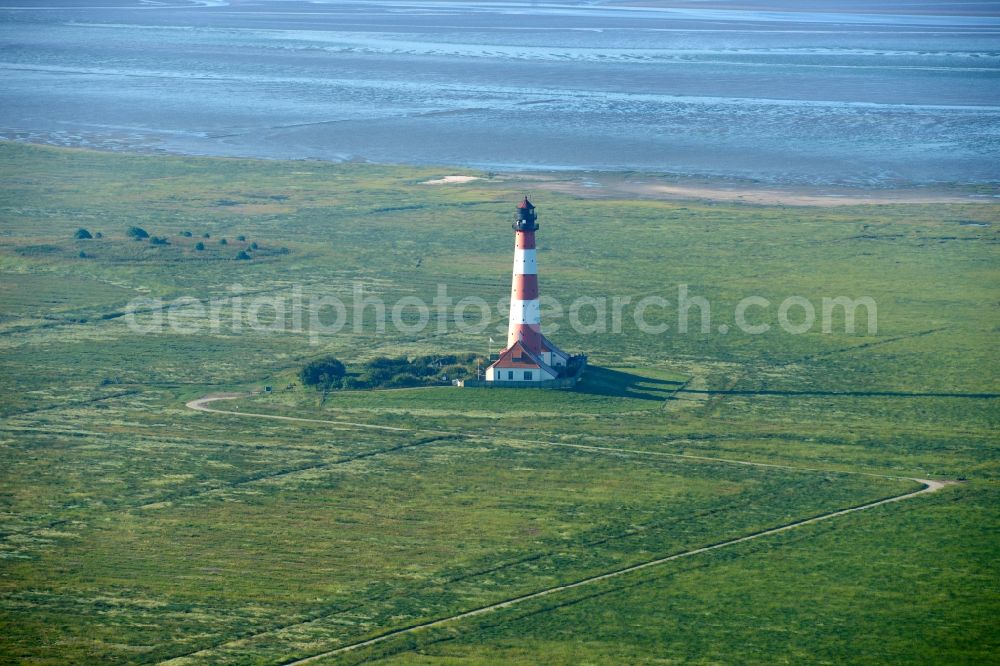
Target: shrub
{"x":186,"y":234}
{"x":206,"y":235}
{"x":158,"y":240}
{"x":403,"y":380}
{"x":199,"y":246}
{"x":455,"y":371}
{"x":425,"y":370}
{"x":387,"y":362}
{"x":223,"y":241}
{"x":241,"y":237}
{"x":82,"y":234}
{"x":377,"y":376}
{"x":353,"y":383}
{"x":137,"y":233}
{"x":98,"y":235}
{"x":82,"y":255}
{"x":242,"y":256}
{"x":253,"y":245}
{"x":322,"y":372}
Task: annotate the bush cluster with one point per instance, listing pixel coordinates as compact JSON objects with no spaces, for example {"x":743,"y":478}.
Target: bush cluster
{"x":138,"y":233}
{"x":322,"y":373}
{"x":400,"y":371}
{"x":389,"y":372}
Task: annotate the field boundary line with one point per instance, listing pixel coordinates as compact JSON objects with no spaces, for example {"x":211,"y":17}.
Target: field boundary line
{"x":728,"y":461}
{"x":200,"y":405}
{"x":929,"y":486}
{"x":836,"y":394}
{"x":278,"y":474}
{"x":70,"y":405}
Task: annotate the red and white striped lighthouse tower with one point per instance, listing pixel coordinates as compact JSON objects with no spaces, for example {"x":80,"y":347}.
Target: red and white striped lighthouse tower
{"x":525,"y":312}
{"x":529,"y":355}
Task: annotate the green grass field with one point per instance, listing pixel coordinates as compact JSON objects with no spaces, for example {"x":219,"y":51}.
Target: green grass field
{"x":136,"y":530}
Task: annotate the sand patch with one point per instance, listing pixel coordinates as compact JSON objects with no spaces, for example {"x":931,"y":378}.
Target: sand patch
{"x":610,"y":186}
{"x":448,"y":180}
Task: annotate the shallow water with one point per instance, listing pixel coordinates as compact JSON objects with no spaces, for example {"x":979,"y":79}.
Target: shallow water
{"x":849,"y":92}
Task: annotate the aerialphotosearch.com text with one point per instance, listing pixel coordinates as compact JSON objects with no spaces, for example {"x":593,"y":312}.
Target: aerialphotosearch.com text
{"x":318,"y":315}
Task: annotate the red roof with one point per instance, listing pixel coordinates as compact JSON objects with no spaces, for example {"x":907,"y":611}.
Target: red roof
{"x":525,"y":204}
{"x":517,"y":356}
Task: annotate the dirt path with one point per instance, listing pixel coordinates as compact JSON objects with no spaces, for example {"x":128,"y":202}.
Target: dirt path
{"x":928,"y":486}
{"x":200,"y":405}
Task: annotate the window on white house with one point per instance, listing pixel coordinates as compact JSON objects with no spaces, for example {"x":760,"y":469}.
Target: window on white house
{"x":527,"y":375}
{"x":510,"y":374}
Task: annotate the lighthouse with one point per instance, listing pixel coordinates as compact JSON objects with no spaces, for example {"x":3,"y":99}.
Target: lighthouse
{"x":529,"y":357}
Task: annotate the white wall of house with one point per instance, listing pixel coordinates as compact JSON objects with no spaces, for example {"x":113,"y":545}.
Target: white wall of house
{"x":517,"y":375}
{"x":554,"y":360}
